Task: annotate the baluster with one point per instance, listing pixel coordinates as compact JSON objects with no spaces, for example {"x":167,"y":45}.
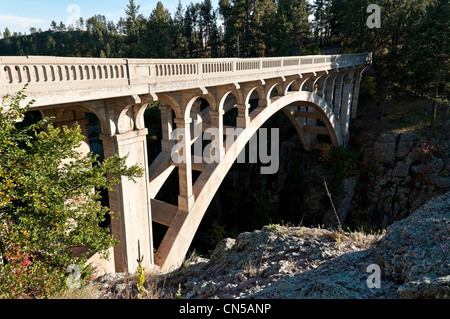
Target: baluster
{"x":52,"y":75}
{"x":17,"y":74}
{"x":87,"y":73}
{"x":27,"y":77}
{"x":9,"y":77}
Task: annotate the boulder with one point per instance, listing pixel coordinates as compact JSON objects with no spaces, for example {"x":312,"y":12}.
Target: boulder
{"x":416,"y":250}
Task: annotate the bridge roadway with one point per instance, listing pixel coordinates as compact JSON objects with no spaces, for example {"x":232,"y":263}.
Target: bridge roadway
{"x":319,"y":94}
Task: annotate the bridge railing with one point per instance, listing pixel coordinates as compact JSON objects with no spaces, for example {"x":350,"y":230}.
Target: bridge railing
{"x":217,"y":67}
{"x":46,"y":74}
{"x":56,"y":74}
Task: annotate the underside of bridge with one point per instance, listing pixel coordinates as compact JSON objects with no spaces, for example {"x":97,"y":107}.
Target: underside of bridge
{"x":319,"y":103}
{"x":308,"y":110}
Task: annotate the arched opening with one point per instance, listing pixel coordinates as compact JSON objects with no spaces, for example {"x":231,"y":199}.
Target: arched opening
{"x":246,"y":199}
{"x":182,"y":229}
{"x":230,"y":109}
{"x":159,"y":117}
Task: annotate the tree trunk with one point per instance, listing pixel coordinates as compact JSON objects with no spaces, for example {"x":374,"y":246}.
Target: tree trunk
{"x":384,"y":101}
{"x":434,"y":107}
{"x":444,"y":119}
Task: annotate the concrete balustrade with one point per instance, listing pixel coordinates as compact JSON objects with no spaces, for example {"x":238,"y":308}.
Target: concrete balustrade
{"x":122,"y":77}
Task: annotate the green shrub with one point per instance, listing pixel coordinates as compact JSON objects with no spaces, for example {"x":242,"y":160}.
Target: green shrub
{"x":49,"y":203}
{"x":339,"y":161}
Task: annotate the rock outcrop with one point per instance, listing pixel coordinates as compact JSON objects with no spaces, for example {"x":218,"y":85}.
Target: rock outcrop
{"x":399,"y":173}
{"x":412,"y":258}
{"x":299,"y":262}
{"x":416,"y":251}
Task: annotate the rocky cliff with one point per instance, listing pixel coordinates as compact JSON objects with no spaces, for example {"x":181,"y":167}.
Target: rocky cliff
{"x":298,"y":262}
{"x":410,"y":260}
{"x":396,"y":174}
{"x":399,"y":173}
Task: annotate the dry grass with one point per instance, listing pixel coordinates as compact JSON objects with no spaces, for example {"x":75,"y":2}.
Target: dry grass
{"x":89,"y":291}
{"x":153,"y":289}
{"x":154,"y":286}
{"x":358,"y":238}
{"x":362,"y":239}
{"x":250,"y":269}
{"x":310,"y":231}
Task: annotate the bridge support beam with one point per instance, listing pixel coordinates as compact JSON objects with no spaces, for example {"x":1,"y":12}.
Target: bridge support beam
{"x":185,"y":197}
{"x":167,"y":127}
{"x":338,"y":83}
{"x":243,"y":119}
{"x":344,"y":117}
{"x":358,"y":76}
{"x":329,"y":89}
{"x":133,"y":225}
{"x":217,"y":151}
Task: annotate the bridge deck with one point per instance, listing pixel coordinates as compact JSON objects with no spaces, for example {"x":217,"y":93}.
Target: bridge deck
{"x":59,"y":80}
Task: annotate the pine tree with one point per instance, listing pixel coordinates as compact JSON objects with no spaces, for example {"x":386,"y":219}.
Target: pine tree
{"x":294,"y":13}
{"x":159,"y":33}
{"x":321,"y":24}
{"x":230,"y":35}
{"x":133,"y":27}
{"x":428,"y":51}
{"x":180,"y":44}
{"x":207,"y":23}
{"x":348,"y":22}
{"x":6,"y":33}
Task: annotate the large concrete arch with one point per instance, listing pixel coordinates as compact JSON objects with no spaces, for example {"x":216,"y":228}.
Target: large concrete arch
{"x":183,"y":226}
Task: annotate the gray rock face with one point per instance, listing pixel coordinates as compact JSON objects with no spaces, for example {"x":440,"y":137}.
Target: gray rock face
{"x":412,"y":260}
{"x":299,"y":262}
{"x":400,"y":172}
{"x":416,"y":250}
{"x":279,"y":262}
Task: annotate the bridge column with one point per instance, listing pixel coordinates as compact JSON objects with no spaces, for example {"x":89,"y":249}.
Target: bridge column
{"x":167,"y":127}
{"x":217,"y":151}
{"x":321,"y":84}
{"x":243,"y":119}
{"x":311,"y":137}
{"x":130,"y":199}
{"x":329,"y":89}
{"x":338,"y":94}
{"x":344,"y":118}
{"x":196,"y":116}
{"x":356,"y":87}
{"x":185,"y":197}
{"x":124,"y":134}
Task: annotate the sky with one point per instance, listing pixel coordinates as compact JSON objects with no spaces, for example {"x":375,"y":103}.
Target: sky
{"x":21,"y":15}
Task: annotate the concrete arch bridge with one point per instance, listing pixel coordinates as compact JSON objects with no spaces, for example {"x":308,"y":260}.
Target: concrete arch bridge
{"x":318,"y":93}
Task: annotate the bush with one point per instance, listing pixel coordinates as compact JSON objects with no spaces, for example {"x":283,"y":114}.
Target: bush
{"x":339,"y":161}
{"x":368,"y":91}
{"x":49,"y":203}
